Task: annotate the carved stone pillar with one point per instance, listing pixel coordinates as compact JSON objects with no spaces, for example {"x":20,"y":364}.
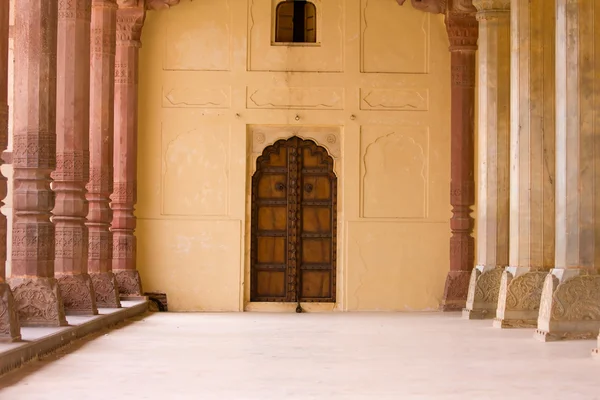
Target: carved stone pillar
{"x":494,"y":159}
{"x":532,"y":179}
{"x":570,"y":303}
{"x":72,"y":156}
{"x":35,"y":290}
{"x":102,"y":89}
{"x":9,"y":321}
{"x":463,"y":31}
{"x":129,"y":28}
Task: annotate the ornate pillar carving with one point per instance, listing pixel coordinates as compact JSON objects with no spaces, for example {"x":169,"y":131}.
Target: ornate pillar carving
{"x":463,"y":31}
{"x":130,"y":20}
{"x":532,"y":134}
{"x":570,"y":303}
{"x":494,"y":158}
{"x":72,"y":156}
{"x":35,"y":290}
{"x":9,"y":321}
{"x":100,"y":186}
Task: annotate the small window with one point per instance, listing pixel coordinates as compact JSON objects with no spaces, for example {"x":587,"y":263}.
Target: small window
{"x":296,"y":22}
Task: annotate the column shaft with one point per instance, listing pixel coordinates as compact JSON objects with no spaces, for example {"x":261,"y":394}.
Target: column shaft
{"x":463,"y":32}
{"x":129,"y":27}
{"x":9,"y":321}
{"x":494,"y":144}
{"x":72,"y":156}
{"x":32,"y":280}
{"x":570,"y":303}
{"x":532,"y":214}
{"x":100,"y":186}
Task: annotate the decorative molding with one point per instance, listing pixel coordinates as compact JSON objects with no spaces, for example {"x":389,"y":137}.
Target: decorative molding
{"x":394,"y":99}
{"x":327,"y":137}
{"x":307,"y":98}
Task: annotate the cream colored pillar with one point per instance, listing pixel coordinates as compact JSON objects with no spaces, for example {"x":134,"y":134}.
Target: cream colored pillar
{"x":570,"y":304}
{"x":494,"y":146}
{"x":532,"y":137}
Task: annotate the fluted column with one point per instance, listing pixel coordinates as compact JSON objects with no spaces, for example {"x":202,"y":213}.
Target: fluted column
{"x":72,"y":157}
{"x":100,"y":186}
{"x":493,"y":145}
{"x":570,"y":304}
{"x":32,"y":280}
{"x":9,"y":322}
{"x":532,"y":163}
{"x":130,"y":21}
{"x":463,"y":32}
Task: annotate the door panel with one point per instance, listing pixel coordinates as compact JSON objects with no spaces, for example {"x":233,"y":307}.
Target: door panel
{"x":294,"y":222}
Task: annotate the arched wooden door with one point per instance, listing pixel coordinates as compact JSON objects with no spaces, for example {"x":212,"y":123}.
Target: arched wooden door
{"x":293,"y":249}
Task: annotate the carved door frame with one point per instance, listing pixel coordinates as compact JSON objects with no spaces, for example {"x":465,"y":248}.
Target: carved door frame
{"x":260,"y":137}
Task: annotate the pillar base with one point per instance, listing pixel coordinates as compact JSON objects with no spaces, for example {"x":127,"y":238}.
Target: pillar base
{"x":456,"y":291}
{"x":38,"y":301}
{"x":78,"y":294}
{"x":107,"y":290}
{"x":482,"y":299}
{"x":129,"y":281}
{"x":570,"y":306}
{"x":519,"y":298}
{"x":10,"y":330}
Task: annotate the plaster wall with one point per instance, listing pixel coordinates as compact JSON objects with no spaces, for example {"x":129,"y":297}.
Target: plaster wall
{"x":215,"y":91}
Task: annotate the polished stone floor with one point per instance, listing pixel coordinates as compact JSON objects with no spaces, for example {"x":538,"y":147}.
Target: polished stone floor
{"x":259,"y":356}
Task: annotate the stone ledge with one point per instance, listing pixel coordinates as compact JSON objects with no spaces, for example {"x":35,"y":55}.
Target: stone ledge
{"x":39,"y":341}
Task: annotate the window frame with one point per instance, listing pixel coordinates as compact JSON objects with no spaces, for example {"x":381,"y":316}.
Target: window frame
{"x":275,"y":20}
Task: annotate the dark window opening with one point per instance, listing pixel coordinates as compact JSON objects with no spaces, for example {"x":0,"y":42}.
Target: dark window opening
{"x":296,"y":22}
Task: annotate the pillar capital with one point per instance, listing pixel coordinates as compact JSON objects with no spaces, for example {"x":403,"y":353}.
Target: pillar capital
{"x":130,"y":21}
{"x":492,"y":9}
{"x":463,"y":31}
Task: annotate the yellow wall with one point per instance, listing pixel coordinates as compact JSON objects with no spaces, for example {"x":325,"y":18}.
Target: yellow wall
{"x":214,"y":92}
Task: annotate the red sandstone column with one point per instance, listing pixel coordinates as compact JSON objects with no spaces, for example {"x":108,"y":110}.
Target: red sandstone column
{"x":463,"y":31}
{"x":104,"y":26}
{"x":129,"y":28}
{"x":36,"y":292}
{"x":9,"y":322}
{"x":72,"y":156}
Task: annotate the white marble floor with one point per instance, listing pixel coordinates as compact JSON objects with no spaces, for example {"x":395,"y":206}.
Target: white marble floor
{"x":310,"y":356}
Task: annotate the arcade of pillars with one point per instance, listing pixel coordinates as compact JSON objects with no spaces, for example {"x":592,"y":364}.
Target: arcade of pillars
{"x":538,"y":241}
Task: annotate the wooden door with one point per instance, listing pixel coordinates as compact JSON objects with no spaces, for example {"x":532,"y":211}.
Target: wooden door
{"x":293,"y":247}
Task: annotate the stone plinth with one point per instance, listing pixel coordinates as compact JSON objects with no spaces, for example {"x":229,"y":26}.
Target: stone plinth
{"x":570,"y":305}
{"x":519,"y":298}
{"x":484,"y":287}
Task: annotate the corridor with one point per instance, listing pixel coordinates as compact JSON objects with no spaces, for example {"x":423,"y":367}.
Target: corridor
{"x":256,"y":356}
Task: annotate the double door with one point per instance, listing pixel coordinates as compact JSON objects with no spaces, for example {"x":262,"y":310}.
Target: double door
{"x":293,"y":246}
